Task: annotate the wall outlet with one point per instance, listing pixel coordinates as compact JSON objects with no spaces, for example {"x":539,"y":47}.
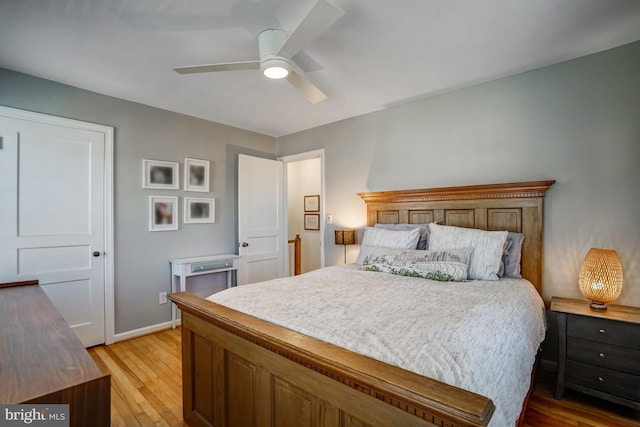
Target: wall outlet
{"x":162,"y":298}
{"x":329,"y":219}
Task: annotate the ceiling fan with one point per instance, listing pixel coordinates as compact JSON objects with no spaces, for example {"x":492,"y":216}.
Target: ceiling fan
{"x":276,"y":49}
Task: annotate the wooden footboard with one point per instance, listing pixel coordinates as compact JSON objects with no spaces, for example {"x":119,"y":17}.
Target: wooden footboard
{"x":242,"y":371}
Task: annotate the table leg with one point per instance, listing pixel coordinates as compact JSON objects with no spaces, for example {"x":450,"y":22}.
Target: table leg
{"x":174,"y":309}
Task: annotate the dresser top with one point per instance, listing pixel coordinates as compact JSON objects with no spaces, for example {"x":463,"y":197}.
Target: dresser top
{"x":621,"y":313}
{"x":39,"y":353}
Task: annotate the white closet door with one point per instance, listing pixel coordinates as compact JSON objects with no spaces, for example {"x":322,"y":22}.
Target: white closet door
{"x":52,"y":217}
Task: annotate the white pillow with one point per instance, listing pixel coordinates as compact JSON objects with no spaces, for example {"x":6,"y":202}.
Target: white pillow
{"x":487,"y":247}
{"x":423,"y":241}
{"x":401,"y":239}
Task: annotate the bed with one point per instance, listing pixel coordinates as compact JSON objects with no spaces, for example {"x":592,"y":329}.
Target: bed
{"x":241,"y":370}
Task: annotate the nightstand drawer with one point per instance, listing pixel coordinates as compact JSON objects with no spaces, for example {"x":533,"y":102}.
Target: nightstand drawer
{"x":603,"y":379}
{"x":605,"y":355}
{"x":603,"y":330}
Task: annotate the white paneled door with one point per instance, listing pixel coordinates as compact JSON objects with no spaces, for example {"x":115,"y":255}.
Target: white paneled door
{"x":261,"y":227}
{"x":52,"y":216}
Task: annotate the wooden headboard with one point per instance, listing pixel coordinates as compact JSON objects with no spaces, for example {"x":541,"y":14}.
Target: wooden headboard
{"x":512,"y":207}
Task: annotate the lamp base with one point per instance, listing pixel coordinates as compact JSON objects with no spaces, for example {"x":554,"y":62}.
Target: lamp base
{"x":598,"y":305}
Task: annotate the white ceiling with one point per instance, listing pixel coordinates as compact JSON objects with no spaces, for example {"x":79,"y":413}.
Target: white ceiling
{"x":380,"y":54}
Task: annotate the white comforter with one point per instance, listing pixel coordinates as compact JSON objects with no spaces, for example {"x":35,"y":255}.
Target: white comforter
{"x":479,"y":336}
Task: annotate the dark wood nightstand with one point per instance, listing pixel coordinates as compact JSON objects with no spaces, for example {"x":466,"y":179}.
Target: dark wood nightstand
{"x":599,"y":351}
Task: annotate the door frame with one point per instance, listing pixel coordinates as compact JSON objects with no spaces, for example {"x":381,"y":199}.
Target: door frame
{"x":109,"y":256}
{"x":314,"y":154}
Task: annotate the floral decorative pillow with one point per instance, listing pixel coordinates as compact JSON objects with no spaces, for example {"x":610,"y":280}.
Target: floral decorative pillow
{"x":446,"y":265}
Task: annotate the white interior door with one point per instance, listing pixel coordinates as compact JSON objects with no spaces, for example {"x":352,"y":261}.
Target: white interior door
{"x":52,"y":217}
{"x":261,"y":227}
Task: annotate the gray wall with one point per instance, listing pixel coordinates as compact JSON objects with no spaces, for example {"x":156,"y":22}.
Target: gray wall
{"x":577,"y":122}
{"x":141,"y":257}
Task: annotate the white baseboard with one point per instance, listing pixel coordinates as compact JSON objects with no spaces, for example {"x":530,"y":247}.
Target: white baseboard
{"x":143,"y":331}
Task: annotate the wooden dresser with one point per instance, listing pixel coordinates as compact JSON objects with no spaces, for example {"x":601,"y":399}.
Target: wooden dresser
{"x":42,"y":361}
{"x":599,"y":351}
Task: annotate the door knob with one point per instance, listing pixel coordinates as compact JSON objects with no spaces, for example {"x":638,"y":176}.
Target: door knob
{"x":96,"y":253}
{"x":245,"y":244}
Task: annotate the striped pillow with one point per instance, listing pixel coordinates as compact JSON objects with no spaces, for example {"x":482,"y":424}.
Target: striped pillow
{"x":403,"y":239}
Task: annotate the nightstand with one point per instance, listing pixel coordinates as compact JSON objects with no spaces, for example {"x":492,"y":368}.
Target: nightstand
{"x":599,"y":351}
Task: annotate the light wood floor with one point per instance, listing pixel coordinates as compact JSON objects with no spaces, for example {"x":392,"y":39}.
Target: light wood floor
{"x":146,"y":379}
{"x":146,"y":390}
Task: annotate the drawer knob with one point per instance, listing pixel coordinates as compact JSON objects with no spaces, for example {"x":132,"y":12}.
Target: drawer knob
{"x":602,"y":356}
{"x":600,"y":379}
{"x":602,"y":331}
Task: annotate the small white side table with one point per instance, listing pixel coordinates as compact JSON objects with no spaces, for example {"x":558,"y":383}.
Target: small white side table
{"x":181,"y":268}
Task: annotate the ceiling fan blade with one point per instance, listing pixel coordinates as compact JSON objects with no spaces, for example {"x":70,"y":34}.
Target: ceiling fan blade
{"x":312,"y":93}
{"x":305,"y":62}
{"x":321,"y":16}
{"x":228,"y":66}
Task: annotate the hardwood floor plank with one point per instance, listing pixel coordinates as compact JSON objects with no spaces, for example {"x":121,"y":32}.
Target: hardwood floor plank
{"x":167,"y":360}
{"x":157,"y":379}
{"x":146,"y":389}
{"x":125,"y":387}
{"x":574,"y":409}
{"x":141,"y":394}
{"x":153,"y":388}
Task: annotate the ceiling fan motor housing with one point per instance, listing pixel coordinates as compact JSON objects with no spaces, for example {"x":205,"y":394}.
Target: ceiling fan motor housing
{"x":269,"y":43}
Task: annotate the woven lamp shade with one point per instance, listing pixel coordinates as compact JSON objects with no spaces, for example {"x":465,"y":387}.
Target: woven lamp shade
{"x":600,"y":277}
{"x":345,"y":237}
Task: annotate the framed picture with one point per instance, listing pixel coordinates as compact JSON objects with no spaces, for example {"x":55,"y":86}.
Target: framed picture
{"x":312,"y":203}
{"x":163,"y":213}
{"x":160,"y":174}
{"x":196,"y":175}
{"x":312,"y":221}
{"x":199,"y":210}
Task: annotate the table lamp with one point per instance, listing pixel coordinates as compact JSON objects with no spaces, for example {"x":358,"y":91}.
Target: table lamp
{"x":345,"y":237}
{"x":600,"y":277}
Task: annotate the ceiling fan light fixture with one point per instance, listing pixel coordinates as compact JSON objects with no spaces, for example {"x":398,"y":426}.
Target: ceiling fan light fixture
{"x":275,"y":68}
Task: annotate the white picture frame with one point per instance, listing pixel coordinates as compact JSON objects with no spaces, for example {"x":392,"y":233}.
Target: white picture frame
{"x":199,"y":210}
{"x":196,"y":175}
{"x":163,"y":213}
{"x":161,"y":175}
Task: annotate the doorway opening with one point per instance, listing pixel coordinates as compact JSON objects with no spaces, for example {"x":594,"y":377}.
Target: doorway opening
{"x":304,"y":176}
